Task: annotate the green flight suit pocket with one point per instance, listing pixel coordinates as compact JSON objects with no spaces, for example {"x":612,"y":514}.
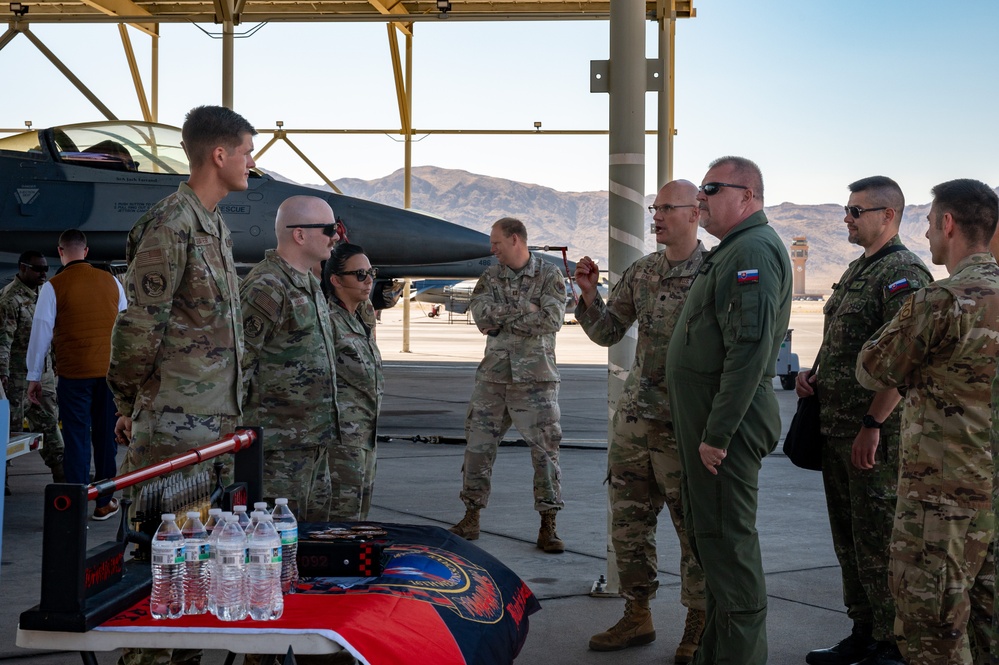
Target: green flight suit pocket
{"x":749,"y":316}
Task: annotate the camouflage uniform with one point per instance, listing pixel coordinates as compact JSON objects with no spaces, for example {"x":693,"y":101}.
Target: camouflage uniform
{"x":289,"y":362}
{"x":176,"y":350}
{"x":17,"y":308}
{"x":517,"y":380}
{"x":995,"y":511}
{"x":861,"y":502}
{"x":942,"y":346}
{"x":359,"y":385}
{"x":643,"y":463}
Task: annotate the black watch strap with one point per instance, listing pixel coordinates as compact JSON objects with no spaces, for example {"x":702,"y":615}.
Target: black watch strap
{"x":870,"y":422}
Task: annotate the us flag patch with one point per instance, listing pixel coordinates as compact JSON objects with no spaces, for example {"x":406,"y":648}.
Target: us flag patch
{"x":897,"y":286}
{"x":751,"y":276}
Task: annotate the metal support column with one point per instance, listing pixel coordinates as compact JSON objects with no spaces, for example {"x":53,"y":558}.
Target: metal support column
{"x":667,"y":121}
{"x":228,"y":37}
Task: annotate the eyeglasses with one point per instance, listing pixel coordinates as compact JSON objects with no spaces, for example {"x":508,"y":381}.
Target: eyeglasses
{"x":712,"y":188}
{"x":361,"y":275}
{"x":330,"y":230}
{"x":856,"y":211}
{"x":41,"y":270}
{"x":666,"y":207}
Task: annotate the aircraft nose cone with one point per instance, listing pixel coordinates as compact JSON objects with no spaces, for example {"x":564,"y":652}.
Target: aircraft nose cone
{"x":392,"y":236}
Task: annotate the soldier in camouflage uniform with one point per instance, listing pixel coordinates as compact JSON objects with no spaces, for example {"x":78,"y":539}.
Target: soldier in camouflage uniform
{"x":941,"y":348}
{"x":643,"y":463}
{"x":17,"y":307}
{"x":348,"y":278}
{"x":860,"y":455}
{"x":520,"y":305}
{"x":290,"y":357}
{"x":176,"y":351}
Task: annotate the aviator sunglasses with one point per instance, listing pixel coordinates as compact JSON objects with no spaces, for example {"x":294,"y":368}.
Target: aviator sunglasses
{"x":857,"y":211}
{"x":361,"y":275}
{"x":41,"y":270}
{"x":712,"y":188}
{"x":329,"y":230}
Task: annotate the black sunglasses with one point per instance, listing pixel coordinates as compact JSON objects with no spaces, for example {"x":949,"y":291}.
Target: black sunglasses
{"x":712,"y":188}
{"x":41,"y":270}
{"x":666,"y":207}
{"x":855,"y":211}
{"x":328,"y":229}
{"x":361,"y":275}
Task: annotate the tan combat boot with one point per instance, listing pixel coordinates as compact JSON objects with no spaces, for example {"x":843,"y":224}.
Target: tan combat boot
{"x":634,"y":629}
{"x":548,"y":540}
{"x":468,"y":527}
{"x":691,"y":636}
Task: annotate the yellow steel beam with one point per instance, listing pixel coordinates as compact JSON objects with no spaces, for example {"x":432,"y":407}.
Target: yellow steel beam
{"x":281,"y":134}
{"x":400,"y":86}
{"x":68,"y":74}
{"x":123,"y":8}
{"x":133,"y":67}
{"x":393,"y":8}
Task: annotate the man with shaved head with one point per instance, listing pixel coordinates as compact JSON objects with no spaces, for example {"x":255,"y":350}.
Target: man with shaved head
{"x":643,"y":464}
{"x":290,"y":358}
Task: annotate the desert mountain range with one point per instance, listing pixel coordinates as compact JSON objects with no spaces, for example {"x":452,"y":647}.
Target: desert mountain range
{"x":579,"y":219}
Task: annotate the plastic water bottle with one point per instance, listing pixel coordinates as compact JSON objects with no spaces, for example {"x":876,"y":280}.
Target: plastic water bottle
{"x":287,"y":528}
{"x":264,"y":571}
{"x":230,"y":566}
{"x":214,"y":518}
{"x":196,"y":562}
{"x":213,"y":547}
{"x":261,"y":506}
{"x":254,"y":518}
{"x":166,"y":600}
{"x":243,"y":515}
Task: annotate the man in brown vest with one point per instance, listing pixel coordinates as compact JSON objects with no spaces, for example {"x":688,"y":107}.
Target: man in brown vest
{"x":74,"y":315}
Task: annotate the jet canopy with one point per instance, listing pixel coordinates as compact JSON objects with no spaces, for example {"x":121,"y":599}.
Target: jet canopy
{"x":116,"y":146}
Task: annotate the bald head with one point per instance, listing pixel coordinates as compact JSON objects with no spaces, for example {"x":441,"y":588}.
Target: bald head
{"x":680,"y":190}
{"x":301,"y":228}
{"x":675,"y":218}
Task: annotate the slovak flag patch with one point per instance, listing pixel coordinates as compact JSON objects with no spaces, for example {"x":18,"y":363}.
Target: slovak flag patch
{"x":751,"y":276}
{"x":895,"y":287}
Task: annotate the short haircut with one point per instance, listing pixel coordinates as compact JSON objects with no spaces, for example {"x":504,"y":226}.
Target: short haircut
{"x":512,"y":226}
{"x":747,"y":169}
{"x":973,"y":205}
{"x":72,"y":238}
{"x":27,"y":256}
{"x":208,"y":127}
{"x":338,"y":259}
{"x":883,"y":191}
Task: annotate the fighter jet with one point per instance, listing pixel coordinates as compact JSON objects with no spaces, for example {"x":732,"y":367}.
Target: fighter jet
{"x":101,"y":177}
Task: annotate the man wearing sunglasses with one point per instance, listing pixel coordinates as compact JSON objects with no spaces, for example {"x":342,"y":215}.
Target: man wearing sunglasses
{"x":643,"y":462}
{"x":860,"y":426}
{"x":941,"y":349}
{"x":520,"y":304}
{"x":720,"y":369}
{"x":290,"y":359}
{"x":17,"y":308}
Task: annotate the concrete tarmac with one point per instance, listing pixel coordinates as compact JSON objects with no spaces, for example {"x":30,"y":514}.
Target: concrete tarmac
{"x":419,"y":477}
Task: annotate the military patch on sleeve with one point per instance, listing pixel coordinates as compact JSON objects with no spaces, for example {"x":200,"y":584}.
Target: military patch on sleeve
{"x":253,"y":326}
{"x":479,"y":288}
{"x":267,"y":305}
{"x":148,"y":257}
{"x":153,"y":284}
{"x":750,"y":276}
{"x":897,"y":286}
{"x":906,"y":310}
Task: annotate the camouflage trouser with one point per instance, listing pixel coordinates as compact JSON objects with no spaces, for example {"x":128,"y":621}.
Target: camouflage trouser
{"x":533,"y":409}
{"x":156,"y":437}
{"x":302,"y":476}
{"x":353,"y":469}
{"x":42,"y":418}
{"x":861,"y":505}
{"x":942,"y":576}
{"x":643,"y":470}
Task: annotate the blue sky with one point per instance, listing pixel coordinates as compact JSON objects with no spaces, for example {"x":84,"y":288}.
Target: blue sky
{"x":819,"y":93}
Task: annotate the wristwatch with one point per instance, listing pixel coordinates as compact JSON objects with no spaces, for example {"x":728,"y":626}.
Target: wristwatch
{"x":870,"y":422}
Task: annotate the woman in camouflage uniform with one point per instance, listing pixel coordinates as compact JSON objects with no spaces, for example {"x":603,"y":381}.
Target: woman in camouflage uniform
{"x":348,"y":278}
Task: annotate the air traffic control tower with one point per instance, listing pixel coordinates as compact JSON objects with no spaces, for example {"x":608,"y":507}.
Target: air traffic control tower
{"x":799,"y":254}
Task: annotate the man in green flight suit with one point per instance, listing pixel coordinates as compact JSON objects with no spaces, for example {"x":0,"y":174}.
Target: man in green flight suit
{"x":720,"y":370}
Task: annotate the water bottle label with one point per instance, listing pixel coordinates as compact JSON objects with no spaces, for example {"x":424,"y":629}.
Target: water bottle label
{"x":200,"y":553}
{"x":289,"y":536}
{"x":230,"y":559}
{"x":166,"y":557}
{"x":270,"y":555}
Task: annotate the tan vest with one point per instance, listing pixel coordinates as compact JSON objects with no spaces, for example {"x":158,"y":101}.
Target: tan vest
{"x":86,"y":307}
